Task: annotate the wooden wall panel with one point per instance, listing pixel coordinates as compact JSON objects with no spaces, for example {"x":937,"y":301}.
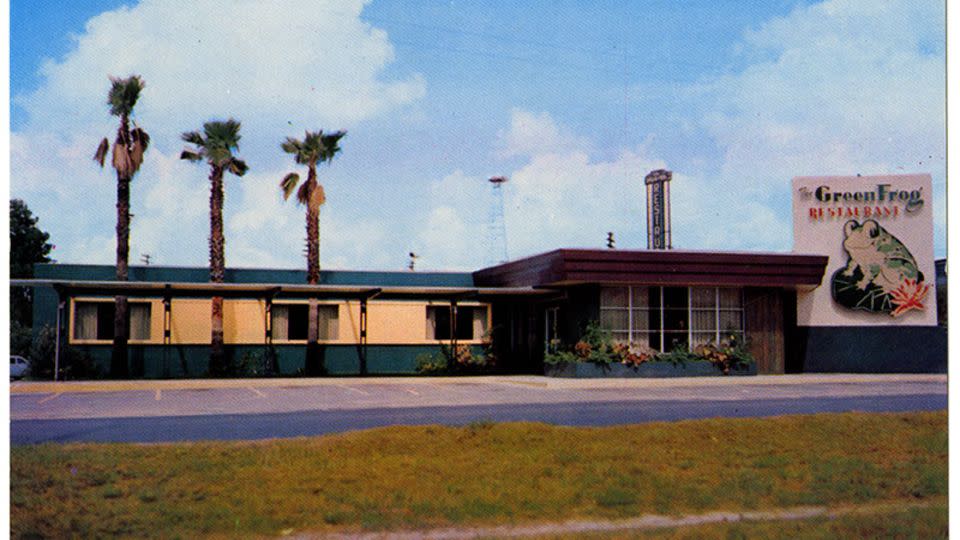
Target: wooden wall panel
{"x":763,"y":318}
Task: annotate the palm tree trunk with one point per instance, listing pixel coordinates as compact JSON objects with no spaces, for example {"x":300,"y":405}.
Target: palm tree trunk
{"x":121,"y":326}
{"x":217,"y":265}
{"x":313,"y":363}
{"x":313,"y":231}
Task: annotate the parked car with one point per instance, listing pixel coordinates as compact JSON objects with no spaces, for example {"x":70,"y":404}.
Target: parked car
{"x":19,"y":367}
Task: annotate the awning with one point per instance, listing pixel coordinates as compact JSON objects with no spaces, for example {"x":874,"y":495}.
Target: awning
{"x":277,"y":290}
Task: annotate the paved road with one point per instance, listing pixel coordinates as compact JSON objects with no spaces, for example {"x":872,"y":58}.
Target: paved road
{"x":191,"y":410}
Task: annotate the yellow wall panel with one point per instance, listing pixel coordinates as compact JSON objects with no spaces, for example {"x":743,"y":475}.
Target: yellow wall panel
{"x":156,"y":321}
{"x":350,"y":322}
{"x":396,"y":322}
{"x":243,"y":321}
{"x":190,"y":321}
{"x":388,"y":322}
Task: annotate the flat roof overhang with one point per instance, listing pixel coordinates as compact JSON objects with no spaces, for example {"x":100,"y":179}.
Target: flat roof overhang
{"x":274,"y":290}
{"x":568,"y":267}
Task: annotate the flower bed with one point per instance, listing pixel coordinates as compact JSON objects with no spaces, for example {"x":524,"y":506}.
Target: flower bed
{"x":652,"y":370}
{"x":595,"y":355}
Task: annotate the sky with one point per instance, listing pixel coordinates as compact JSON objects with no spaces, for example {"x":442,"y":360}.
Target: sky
{"x":574,"y":102}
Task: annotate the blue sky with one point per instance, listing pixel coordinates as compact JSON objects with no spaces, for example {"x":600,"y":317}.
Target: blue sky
{"x":574,"y":101}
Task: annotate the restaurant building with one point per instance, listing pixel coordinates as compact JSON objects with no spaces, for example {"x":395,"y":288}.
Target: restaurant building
{"x":859,"y":307}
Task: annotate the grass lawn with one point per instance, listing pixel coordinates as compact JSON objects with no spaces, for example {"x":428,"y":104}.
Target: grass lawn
{"x":889,"y":522}
{"x":483,"y":474}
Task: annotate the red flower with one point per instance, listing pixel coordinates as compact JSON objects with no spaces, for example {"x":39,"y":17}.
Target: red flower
{"x":909,"y":295}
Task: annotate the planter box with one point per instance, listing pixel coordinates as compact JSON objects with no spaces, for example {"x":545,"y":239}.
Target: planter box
{"x":652,"y":370}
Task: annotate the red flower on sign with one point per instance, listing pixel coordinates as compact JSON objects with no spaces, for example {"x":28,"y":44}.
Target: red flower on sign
{"x":909,"y":295}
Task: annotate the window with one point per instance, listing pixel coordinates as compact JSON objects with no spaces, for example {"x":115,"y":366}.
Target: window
{"x":471,"y":322}
{"x":551,"y":331}
{"x":666,"y":317}
{"x":94,"y":320}
{"x":290,"y":321}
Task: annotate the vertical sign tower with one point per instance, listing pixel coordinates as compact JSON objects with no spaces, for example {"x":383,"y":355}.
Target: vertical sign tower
{"x":658,"y":209}
{"x":496,"y":227}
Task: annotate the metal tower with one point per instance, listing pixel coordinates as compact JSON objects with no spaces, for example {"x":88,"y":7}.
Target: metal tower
{"x":496,"y":227}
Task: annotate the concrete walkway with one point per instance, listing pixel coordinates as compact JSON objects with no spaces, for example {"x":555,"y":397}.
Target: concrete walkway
{"x":624,"y":526}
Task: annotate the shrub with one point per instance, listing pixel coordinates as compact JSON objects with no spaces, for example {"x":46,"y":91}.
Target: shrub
{"x":597,"y":346}
{"x":431,"y":364}
{"x":253,"y":363}
{"x":74,"y":363}
{"x":21,"y":339}
{"x":730,"y":353}
{"x":459,"y":360}
{"x":678,"y":356}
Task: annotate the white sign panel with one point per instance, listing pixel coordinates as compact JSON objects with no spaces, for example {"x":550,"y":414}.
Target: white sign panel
{"x":878,"y":233}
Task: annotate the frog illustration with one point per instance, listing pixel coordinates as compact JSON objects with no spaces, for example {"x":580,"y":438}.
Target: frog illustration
{"x":882,"y":259}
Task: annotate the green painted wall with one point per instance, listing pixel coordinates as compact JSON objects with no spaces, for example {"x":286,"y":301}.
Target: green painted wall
{"x":190,"y":361}
{"x":254,"y":275}
{"x":157,"y":361}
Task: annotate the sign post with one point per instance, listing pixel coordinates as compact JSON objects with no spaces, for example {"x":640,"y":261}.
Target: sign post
{"x":658,"y":209}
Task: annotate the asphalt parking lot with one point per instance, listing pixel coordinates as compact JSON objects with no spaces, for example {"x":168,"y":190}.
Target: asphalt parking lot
{"x":237,"y":409}
{"x":144,"y":399}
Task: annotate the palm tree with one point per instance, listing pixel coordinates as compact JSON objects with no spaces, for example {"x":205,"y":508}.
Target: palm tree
{"x":315,"y":147}
{"x":128,"y":149}
{"x":216,"y":145}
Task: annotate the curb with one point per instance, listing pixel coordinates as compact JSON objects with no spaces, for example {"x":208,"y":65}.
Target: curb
{"x":47,"y":387}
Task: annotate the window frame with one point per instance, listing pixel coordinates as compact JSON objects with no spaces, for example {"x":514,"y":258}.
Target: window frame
{"x":76,"y":301}
{"x":636,"y":335}
{"x":306,"y":303}
{"x":475,"y":307}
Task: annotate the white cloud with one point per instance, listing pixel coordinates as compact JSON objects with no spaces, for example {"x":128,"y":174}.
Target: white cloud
{"x":455,"y":234}
{"x":531,"y":134}
{"x":279,"y":66}
{"x":840,"y":87}
{"x":559,"y":197}
{"x":265,"y":62}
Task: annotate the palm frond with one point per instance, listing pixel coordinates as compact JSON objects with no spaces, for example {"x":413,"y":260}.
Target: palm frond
{"x":121,"y":160}
{"x":191,"y":155}
{"x":140,"y":141}
{"x":124,"y":94}
{"x":218,"y":155}
{"x":237,"y":166}
{"x":193,"y":137}
{"x":288,"y":183}
{"x":303,"y":194}
{"x":291,"y":146}
{"x":140,"y":136}
{"x":318,"y":197}
{"x":331,"y":145}
{"x":223,"y":133}
{"x":101,"y":154}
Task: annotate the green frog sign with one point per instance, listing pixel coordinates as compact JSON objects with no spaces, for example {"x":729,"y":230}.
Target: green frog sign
{"x":881,"y":275}
{"x":877,"y":232}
